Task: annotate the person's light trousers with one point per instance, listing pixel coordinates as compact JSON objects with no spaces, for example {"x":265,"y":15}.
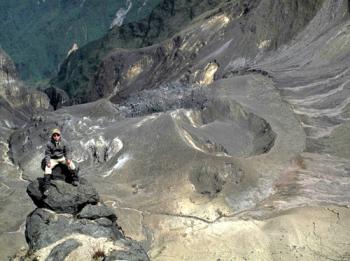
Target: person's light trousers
{"x":54,"y":162}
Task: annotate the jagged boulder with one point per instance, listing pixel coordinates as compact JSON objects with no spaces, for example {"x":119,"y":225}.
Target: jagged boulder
{"x":53,"y":236}
{"x":135,"y":253}
{"x":45,"y":227}
{"x":63,"y":197}
{"x":61,"y":251}
{"x":72,"y":224}
{"x":95,"y":212}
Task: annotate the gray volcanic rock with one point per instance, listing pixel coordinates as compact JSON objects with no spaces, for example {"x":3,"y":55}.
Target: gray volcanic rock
{"x":136,"y":253}
{"x":53,"y":236}
{"x":104,"y":221}
{"x":10,"y":117}
{"x":54,"y":231}
{"x":57,"y":97}
{"x":63,"y":197}
{"x":44,"y":228}
{"x":96,"y":212}
{"x":61,"y":251}
{"x":57,"y":235}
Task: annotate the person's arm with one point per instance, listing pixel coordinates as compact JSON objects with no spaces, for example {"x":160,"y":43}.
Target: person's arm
{"x":67,"y":151}
{"x":48,"y":154}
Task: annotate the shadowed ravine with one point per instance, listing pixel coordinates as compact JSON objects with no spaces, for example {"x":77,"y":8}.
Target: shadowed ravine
{"x":241,"y":152}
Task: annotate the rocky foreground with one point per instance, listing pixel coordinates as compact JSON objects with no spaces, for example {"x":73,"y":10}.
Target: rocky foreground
{"x":71,"y":223}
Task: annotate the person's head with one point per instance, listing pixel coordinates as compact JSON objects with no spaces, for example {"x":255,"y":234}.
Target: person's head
{"x":56,"y":134}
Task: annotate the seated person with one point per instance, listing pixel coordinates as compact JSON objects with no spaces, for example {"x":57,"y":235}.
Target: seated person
{"x":57,"y":152}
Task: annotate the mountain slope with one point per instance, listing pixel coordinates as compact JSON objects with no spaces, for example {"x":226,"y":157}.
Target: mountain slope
{"x":39,"y":34}
{"x":169,"y":17}
{"x":226,"y":141}
{"x":245,"y":27}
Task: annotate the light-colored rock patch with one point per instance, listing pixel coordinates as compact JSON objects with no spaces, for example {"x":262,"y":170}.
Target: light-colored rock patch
{"x":208,"y":73}
{"x":303,"y":233}
{"x":90,"y":245}
{"x":264,"y":44}
{"x":137,"y":68}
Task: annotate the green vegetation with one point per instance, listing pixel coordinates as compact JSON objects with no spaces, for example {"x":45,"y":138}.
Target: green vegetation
{"x":37,"y":34}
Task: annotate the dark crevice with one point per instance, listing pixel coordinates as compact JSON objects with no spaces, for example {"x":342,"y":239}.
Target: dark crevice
{"x":246,"y":71}
{"x":56,"y":97}
{"x":219,"y":213}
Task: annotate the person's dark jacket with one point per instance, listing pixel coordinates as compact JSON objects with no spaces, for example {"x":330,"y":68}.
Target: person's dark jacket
{"x":56,"y":150}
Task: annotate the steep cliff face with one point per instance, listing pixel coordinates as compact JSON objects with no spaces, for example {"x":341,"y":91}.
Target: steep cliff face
{"x":39,"y":34}
{"x":14,"y":92}
{"x":242,"y":29}
{"x":8,"y":73}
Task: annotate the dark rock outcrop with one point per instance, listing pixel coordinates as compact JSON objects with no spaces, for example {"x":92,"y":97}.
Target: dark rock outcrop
{"x":61,"y":251}
{"x":71,"y":221}
{"x":45,"y":228}
{"x":63,"y":197}
{"x":57,"y":97}
{"x":96,"y":212}
{"x":135,"y":253}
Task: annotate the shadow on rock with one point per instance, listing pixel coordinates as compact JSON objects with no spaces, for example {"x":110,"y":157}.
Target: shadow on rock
{"x":63,"y":197}
{"x":71,"y":222}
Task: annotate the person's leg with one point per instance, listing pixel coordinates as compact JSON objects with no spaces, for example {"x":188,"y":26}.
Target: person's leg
{"x":62,"y":161}
{"x":47,"y":175}
{"x":72,"y":169}
{"x":53,"y":163}
{"x":47,"y":179}
{"x":71,"y":166}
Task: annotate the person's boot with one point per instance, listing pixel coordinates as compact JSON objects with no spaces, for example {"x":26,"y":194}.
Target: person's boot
{"x":75,"y":178}
{"x":47,"y":178}
{"x":75,"y":181}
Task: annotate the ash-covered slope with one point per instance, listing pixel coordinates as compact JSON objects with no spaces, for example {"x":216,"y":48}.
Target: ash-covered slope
{"x":227,"y":141}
